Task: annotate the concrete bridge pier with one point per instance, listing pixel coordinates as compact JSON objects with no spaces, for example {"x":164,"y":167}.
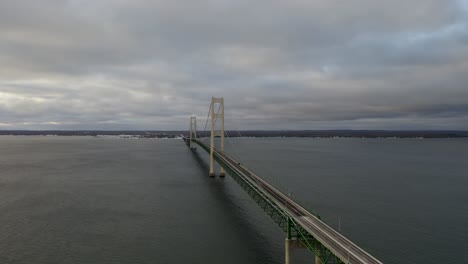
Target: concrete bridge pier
{"x":287,"y":252}
{"x":290,"y":245}
{"x":317,"y":259}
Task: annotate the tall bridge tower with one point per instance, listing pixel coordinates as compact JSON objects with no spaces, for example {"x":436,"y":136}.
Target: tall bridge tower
{"x":193,"y":130}
{"x":219,"y":114}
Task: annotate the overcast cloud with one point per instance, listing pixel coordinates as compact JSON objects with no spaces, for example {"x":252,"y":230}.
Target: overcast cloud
{"x":296,"y":64}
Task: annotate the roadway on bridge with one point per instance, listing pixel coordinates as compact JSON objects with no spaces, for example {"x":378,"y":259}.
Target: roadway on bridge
{"x":343,"y":248}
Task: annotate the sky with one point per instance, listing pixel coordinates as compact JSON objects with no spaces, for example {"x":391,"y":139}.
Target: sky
{"x":295,"y":64}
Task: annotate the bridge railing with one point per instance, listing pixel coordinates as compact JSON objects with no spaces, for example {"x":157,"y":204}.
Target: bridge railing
{"x":280,"y":216}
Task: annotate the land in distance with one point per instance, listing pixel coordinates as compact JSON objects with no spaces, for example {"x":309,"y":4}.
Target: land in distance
{"x":250,"y":133}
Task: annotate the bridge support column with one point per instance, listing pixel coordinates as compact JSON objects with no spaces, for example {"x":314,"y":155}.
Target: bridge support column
{"x":216,"y":133}
{"x":287,"y":251}
{"x":290,"y":244}
{"x":317,"y":260}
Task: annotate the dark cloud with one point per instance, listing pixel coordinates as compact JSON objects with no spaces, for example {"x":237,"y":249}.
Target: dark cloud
{"x":279,"y":64}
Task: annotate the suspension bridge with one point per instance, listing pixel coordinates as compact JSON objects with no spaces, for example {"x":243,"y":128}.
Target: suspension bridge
{"x":303,"y":229}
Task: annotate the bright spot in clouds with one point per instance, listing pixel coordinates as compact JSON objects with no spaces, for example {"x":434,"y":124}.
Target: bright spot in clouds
{"x":359,"y":64}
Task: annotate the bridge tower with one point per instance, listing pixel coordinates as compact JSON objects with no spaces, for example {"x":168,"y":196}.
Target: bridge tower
{"x":216,"y":133}
{"x":193,"y":131}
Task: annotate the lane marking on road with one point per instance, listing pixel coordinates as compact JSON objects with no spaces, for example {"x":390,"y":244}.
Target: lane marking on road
{"x":298,"y":210}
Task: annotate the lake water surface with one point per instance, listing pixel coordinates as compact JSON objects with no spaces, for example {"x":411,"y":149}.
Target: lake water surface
{"x":111,"y":200}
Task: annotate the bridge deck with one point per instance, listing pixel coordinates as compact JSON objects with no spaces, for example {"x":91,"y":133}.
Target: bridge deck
{"x":345,"y":250}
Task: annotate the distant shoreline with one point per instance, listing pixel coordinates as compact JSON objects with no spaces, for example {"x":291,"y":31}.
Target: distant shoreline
{"x":251,"y":133}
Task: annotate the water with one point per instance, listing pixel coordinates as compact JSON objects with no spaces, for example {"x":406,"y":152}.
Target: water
{"x":110,"y":200}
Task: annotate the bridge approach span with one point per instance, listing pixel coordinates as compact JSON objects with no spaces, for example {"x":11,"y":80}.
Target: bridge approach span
{"x":327,"y":244}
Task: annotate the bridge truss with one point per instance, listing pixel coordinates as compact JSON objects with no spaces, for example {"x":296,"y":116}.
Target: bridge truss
{"x":268,"y":198}
{"x":283,"y":219}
